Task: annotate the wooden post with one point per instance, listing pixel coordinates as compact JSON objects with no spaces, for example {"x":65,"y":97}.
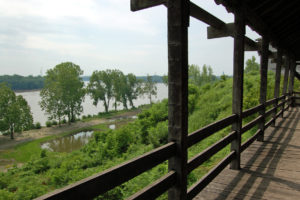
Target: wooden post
{"x":291,"y":80}
{"x":178,"y":21}
{"x":263,"y":83}
{"x":285,"y":82}
{"x":237,"y":87}
{"x":277,"y":82}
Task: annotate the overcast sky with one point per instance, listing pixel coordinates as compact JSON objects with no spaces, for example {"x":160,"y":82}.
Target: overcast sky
{"x":36,"y":35}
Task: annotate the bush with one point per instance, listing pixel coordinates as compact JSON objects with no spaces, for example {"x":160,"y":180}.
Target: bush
{"x":83,"y":117}
{"x":64,"y":121}
{"x":48,"y":123}
{"x":54,"y":122}
{"x":38,"y":125}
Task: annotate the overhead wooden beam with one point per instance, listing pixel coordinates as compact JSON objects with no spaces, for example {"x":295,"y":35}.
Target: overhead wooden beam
{"x":206,"y":17}
{"x":136,"y":5}
{"x":228,"y":31}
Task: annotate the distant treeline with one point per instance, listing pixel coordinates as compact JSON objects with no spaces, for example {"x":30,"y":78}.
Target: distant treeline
{"x":17,"y":82}
{"x":155,"y":78}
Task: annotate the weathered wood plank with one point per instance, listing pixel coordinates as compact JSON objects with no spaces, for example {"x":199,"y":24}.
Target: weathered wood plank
{"x":237,"y":85}
{"x":251,"y":124}
{"x":252,"y":111}
{"x":210,"y":129}
{"x":263,"y":83}
{"x":277,"y":82}
{"x":269,"y":169}
{"x":204,"y":181}
{"x":136,"y":5}
{"x":157,"y":188}
{"x":209,"y":152}
{"x":178,"y":22}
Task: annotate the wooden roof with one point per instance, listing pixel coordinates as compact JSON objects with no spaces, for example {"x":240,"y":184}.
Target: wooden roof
{"x":277,"y":19}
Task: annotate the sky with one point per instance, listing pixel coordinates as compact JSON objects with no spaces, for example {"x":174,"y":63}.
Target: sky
{"x":36,"y":35}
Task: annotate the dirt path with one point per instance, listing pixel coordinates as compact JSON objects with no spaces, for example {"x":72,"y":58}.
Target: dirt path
{"x":7,"y":143}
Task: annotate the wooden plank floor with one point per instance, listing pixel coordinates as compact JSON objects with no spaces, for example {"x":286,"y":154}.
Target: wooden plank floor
{"x":270,"y":170}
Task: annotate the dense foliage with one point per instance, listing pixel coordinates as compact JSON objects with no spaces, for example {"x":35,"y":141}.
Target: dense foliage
{"x":63,"y":92}
{"x":17,"y":82}
{"x":15,"y":114}
{"x":113,"y":85}
{"x":207,"y":103}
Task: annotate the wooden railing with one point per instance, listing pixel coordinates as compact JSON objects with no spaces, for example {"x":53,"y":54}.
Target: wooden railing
{"x":100,"y":183}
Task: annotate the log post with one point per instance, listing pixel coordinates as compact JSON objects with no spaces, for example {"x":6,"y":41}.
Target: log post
{"x":178,"y":21}
{"x":237,"y":87}
{"x":277,"y":82}
{"x":285,"y":82}
{"x":291,"y":81}
{"x":263,"y":83}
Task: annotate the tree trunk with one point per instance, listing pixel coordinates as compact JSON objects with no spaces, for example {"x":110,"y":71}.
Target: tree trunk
{"x":12,"y":132}
{"x":106,"y":107}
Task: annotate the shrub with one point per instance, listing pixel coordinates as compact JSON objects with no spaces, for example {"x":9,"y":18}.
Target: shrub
{"x":64,"y":121}
{"x":54,"y":122}
{"x":38,"y":125}
{"x":48,"y":123}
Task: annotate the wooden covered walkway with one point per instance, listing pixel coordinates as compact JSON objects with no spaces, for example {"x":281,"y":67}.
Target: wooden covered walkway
{"x":269,"y":169}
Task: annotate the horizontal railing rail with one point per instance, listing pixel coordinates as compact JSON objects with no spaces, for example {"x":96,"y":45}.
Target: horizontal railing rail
{"x":252,"y":111}
{"x":210,"y":129}
{"x":100,"y":183}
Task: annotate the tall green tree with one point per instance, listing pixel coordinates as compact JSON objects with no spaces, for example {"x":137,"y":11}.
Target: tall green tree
{"x":251,"y":66}
{"x":63,"y":92}
{"x":133,"y":88}
{"x":150,"y":88}
{"x":15,"y":114}
{"x":101,"y":87}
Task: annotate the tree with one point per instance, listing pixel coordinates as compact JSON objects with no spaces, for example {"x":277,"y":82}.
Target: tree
{"x":150,"y":88}
{"x":101,"y":87}
{"x":133,"y":89}
{"x":15,"y":114}
{"x":63,"y":92}
{"x":165,"y":80}
{"x":251,"y":66}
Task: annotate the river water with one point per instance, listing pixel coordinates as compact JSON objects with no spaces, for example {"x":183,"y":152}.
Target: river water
{"x":33,"y":98}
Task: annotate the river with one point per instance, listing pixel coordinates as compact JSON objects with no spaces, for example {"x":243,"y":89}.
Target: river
{"x":33,"y":98}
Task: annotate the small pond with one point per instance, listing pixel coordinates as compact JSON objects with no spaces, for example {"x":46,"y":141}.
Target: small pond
{"x":68,"y":143}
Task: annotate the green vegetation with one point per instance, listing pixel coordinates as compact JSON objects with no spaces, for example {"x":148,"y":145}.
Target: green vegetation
{"x":149,"y":88}
{"x":46,"y":171}
{"x":15,"y":114}
{"x":63,"y":92}
{"x":111,"y":85}
{"x":17,"y":82}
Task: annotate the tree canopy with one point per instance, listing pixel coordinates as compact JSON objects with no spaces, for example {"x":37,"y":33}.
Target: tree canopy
{"x":63,"y":92}
{"x":251,"y":66}
{"x":15,"y":114}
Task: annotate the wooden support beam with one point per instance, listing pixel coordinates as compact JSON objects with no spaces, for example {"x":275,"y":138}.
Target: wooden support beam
{"x":237,"y":86}
{"x":178,"y":21}
{"x":263,"y":83}
{"x":136,"y":5}
{"x":277,"y":82}
{"x":291,"y":81}
{"x":285,"y":82}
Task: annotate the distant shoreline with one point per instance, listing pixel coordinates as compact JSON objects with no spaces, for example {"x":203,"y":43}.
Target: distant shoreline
{"x":21,"y":91}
